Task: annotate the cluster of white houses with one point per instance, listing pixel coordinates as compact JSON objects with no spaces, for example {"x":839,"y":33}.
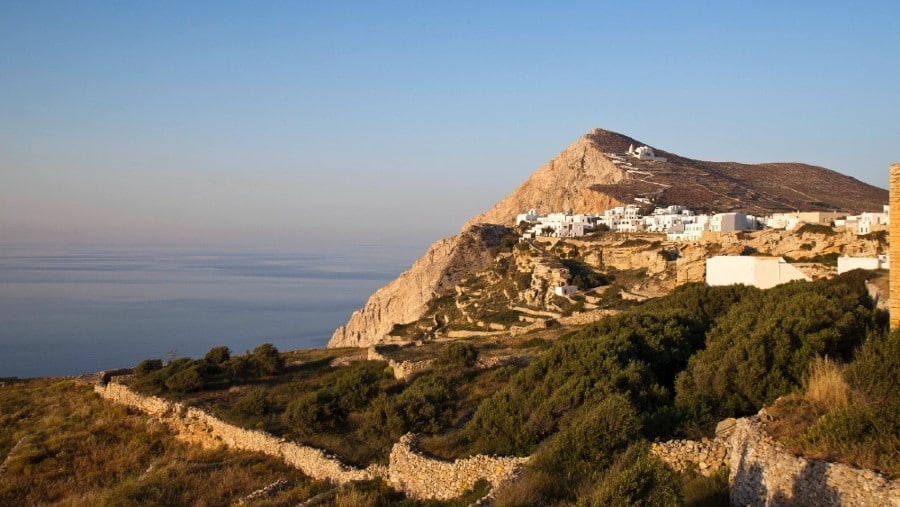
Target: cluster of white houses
{"x":682,"y":224}
{"x":678,"y":222}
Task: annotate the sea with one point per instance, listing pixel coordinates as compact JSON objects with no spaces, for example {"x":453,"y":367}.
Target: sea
{"x":69,"y":310}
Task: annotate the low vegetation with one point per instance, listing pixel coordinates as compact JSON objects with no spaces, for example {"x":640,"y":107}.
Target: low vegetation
{"x":71,"y":448}
{"x":590,"y":400}
{"x":850,"y":412}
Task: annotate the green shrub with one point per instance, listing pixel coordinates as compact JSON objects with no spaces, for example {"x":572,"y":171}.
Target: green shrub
{"x":185,"y":380}
{"x":266,"y":360}
{"x":760,"y":349}
{"x":357,"y":384}
{"x":588,"y":443}
{"x":458,"y":354}
{"x":638,"y":479}
{"x":148,"y":366}
{"x":218,"y":355}
{"x":314,"y":412}
{"x":238,"y":367}
{"x":424,"y":406}
{"x":875,"y":371}
{"x":254,"y":403}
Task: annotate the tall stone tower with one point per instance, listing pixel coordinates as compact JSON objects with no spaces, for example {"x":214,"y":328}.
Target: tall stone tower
{"x":895,"y":245}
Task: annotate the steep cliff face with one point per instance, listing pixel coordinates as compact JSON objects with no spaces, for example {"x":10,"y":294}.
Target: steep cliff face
{"x":564,"y":183}
{"x":406,"y":298}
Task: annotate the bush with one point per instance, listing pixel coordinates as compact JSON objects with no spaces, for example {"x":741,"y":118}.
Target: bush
{"x":875,"y":372}
{"x":462,"y":355}
{"x":185,"y":380}
{"x":638,"y":479}
{"x":218,"y":355}
{"x":314,"y":412}
{"x":760,"y":349}
{"x":148,"y":366}
{"x":590,"y":441}
{"x":255,"y":403}
{"x":424,"y":406}
{"x":357,"y":384}
{"x":266,"y":360}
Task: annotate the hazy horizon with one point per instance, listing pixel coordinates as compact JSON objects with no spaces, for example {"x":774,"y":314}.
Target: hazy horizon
{"x":69,"y":310}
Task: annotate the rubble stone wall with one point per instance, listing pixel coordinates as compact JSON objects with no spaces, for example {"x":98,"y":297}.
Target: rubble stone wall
{"x":706,"y":456}
{"x":416,"y":475}
{"x":763,"y":473}
{"x":403,"y":370}
{"x":196,"y":426}
{"x":421,"y":477}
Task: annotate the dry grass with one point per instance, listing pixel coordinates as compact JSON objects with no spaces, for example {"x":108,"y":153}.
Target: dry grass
{"x":829,"y":420}
{"x":82,"y":450}
{"x":825,"y":385}
{"x":355,"y":498}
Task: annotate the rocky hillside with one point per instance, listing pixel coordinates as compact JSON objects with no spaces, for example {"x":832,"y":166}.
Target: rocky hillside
{"x":406,"y":298}
{"x":593,"y":174}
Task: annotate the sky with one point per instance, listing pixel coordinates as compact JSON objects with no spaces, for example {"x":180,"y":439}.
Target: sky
{"x":310,"y":123}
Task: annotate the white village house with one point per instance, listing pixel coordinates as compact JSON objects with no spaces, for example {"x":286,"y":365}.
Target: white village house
{"x":761,"y":272}
{"x":847,"y":263}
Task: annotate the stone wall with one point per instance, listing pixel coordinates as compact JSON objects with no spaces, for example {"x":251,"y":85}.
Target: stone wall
{"x":581,"y":318}
{"x":484,"y":363}
{"x":196,"y":426}
{"x":408,"y":471}
{"x":763,"y":473}
{"x":706,"y":456}
{"x":427,"y":478}
{"x":403,"y":370}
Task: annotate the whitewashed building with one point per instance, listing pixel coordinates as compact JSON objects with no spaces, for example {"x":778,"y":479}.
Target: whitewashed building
{"x":761,"y":272}
{"x":645,"y":153}
{"x":732,"y":222}
{"x":847,"y":263}
{"x":565,"y":290}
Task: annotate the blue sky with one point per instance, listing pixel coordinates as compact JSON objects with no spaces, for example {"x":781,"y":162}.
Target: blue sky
{"x":293,"y":123}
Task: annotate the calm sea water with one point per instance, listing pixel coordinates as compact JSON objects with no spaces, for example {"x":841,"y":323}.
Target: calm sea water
{"x":66,"y":311}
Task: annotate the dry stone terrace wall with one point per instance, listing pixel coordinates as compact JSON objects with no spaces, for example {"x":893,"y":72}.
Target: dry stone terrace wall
{"x":196,"y":426}
{"x":426,"y":478}
{"x":408,"y":471}
{"x":706,"y":456}
{"x":403,"y":370}
{"x":762,"y":473}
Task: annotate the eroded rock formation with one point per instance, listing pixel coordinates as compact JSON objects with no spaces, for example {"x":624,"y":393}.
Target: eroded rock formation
{"x":406,"y":298}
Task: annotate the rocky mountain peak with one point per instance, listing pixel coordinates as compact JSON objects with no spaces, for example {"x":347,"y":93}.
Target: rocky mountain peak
{"x":564,"y":183}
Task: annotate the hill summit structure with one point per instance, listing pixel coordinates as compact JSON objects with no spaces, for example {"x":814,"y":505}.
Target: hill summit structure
{"x":603,"y":170}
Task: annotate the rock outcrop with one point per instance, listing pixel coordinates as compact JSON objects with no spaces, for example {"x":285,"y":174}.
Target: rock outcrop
{"x":406,"y":298}
{"x":563,"y":184}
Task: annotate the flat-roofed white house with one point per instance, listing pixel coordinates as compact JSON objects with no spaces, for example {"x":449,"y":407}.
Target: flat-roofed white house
{"x":846,"y":263}
{"x":565,"y":290}
{"x":731,"y":222}
{"x":761,"y":272}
